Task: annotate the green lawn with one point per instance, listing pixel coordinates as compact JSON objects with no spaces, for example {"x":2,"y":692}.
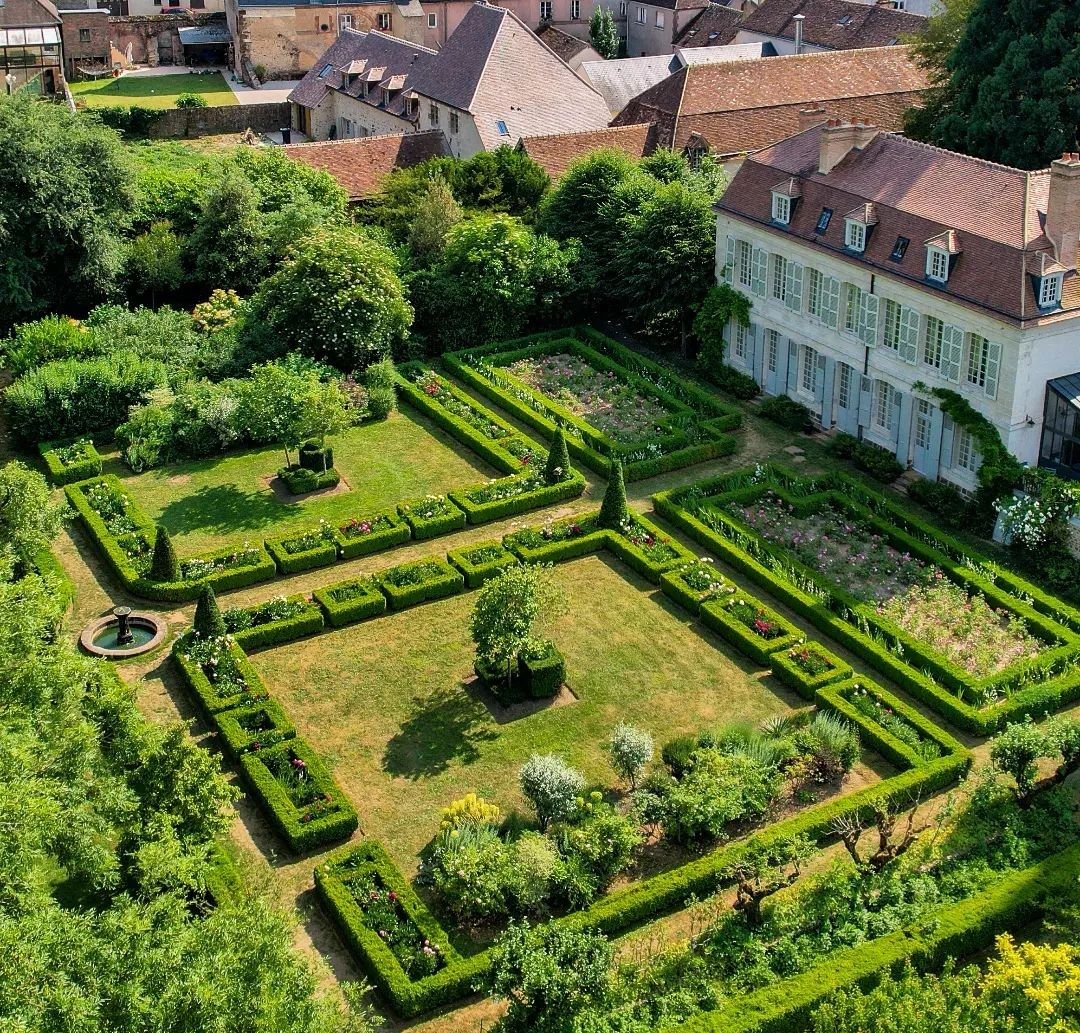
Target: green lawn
{"x":153,"y":91}
{"x":212,"y":503}
{"x":386,"y":706}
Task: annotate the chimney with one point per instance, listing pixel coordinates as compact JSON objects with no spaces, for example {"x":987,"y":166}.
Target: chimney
{"x":811,"y":116}
{"x":838,"y":139}
{"x":1063,"y":208}
{"x":798,"y":20}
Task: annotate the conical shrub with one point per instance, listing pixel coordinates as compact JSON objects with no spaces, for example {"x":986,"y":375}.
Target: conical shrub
{"x":613,"y":512}
{"x":558,"y":461}
{"x":208,"y":620}
{"x":164,"y":566}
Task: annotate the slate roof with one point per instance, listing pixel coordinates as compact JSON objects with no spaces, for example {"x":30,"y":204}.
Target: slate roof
{"x":740,"y":106}
{"x":560,"y":43}
{"x":990,"y":215}
{"x":834,"y":24}
{"x":556,"y":153}
{"x":361,"y":166}
{"x":715,"y":26}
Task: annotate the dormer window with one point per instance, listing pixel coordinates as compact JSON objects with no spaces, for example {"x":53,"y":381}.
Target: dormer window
{"x":781,"y":208}
{"x":1050,"y":291}
{"x":855,"y":235}
{"x":937,"y":264}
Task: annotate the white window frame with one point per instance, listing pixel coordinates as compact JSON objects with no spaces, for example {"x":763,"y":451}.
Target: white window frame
{"x":738,"y":343}
{"x":781,"y":208}
{"x":891,"y":338}
{"x":923,"y":419}
{"x":778,"y":282}
{"x":344,"y":22}
{"x":843,"y":385}
{"x":772,"y":350}
{"x":983,"y":364}
{"x":545,"y":10}
{"x":1050,"y":291}
{"x":432,"y":21}
{"x":744,"y":263}
{"x":622,"y":8}
{"x":433,"y":114}
{"x":883,"y":406}
{"x":808,"y":357}
{"x":933,"y":346}
{"x":454,"y":122}
{"x":659,"y":19}
{"x":575,"y":10}
{"x":937,"y":265}
{"x":852,"y":304}
{"x":641,"y":15}
{"x":965,"y":454}
{"x":855,"y":235}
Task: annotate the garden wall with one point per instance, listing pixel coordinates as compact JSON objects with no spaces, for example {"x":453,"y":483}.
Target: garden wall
{"x":187,"y":122}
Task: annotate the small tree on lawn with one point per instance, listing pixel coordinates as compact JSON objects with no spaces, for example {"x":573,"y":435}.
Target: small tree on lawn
{"x":1016,"y":752}
{"x":602,"y":33}
{"x":164,"y":566}
{"x":208,"y":620}
{"x":326,"y":413}
{"x":631,"y":750}
{"x":506,"y":613}
{"x":558,"y":461}
{"x":613,"y":511}
{"x":277,"y":405}
{"x":551,"y":786}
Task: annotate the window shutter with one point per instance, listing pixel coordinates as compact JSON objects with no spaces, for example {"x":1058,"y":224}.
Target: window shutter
{"x":830,"y":305}
{"x":729,"y":261}
{"x":897,"y":400}
{"x":793,"y":366}
{"x":819,"y":379}
{"x":946,"y":441}
{"x":752,"y":349}
{"x":868,"y":319}
{"x":909,"y":335}
{"x":793,"y":283}
{"x":866,"y":398}
{"x":759,"y":272}
{"x":952,"y":352}
{"x":993,"y":367}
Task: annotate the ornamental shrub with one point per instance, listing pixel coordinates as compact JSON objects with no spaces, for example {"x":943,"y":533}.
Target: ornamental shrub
{"x":192,"y":100}
{"x":786,"y":412}
{"x":208,"y":622}
{"x":382,"y":401}
{"x":558,"y":461}
{"x":165,"y":565}
{"x":631,"y":750}
{"x":613,"y":510}
{"x":1016,"y":752}
{"x":551,"y":786}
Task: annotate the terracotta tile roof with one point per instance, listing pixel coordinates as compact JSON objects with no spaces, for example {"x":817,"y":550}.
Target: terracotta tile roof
{"x":361,"y":166}
{"x":558,"y":152}
{"x":989,"y":216}
{"x":560,"y":43}
{"x":494,"y":67}
{"x":743,"y":105}
{"x":834,"y":24}
{"x":370,"y":56}
{"x":715,"y":26}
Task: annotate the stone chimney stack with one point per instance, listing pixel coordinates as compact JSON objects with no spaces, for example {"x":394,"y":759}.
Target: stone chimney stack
{"x":811,"y":116}
{"x":798,"y":20}
{"x":1063,"y":208}
{"x":838,"y":139}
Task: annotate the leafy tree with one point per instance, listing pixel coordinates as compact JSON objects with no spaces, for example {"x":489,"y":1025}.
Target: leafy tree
{"x":766,"y":868}
{"x":29,"y":519}
{"x":1063,"y":735}
{"x":275,"y":405}
{"x":603,"y":35}
{"x":558,"y":461}
{"x":1036,"y":985}
{"x":507,"y":611}
{"x":437,"y":212}
{"x":574,"y":208}
{"x":337,"y":299}
{"x":165,"y":565}
{"x":327,"y":411}
{"x":631,"y":750}
{"x":549,"y":975}
{"x":1007,"y":96}
{"x":65,"y":199}
{"x":551,"y":786}
{"x":208,"y":621}
{"x":613,"y":510}
{"x":1016,"y":752}
{"x":502,"y":180}
{"x":153,"y":261}
{"x":227,"y":246}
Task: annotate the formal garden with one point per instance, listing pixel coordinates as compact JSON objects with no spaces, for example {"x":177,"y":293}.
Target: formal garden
{"x":471,"y":666}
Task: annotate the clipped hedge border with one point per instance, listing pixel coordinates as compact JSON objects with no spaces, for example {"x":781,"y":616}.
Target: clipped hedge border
{"x":476,"y":574}
{"x":210,"y":700}
{"x":47,"y":566}
{"x":805,"y":684}
{"x":301,"y":835}
{"x":238,"y":740}
{"x":714,"y":615}
{"x":272,"y":633}
{"x":61,"y":473}
{"x":287,"y":562}
{"x":371,"y":603}
{"x":447,"y":581}
{"x":955,"y":930}
{"x":351,"y":547}
{"x":423,"y":527}
{"x":498,"y":509}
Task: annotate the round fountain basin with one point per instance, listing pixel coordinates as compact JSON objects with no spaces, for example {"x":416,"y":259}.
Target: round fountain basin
{"x":101,"y":637}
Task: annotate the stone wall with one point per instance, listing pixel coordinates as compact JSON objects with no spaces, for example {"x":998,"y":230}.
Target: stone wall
{"x":176,"y":123}
{"x":153,"y":38}
{"x":86,"y":41}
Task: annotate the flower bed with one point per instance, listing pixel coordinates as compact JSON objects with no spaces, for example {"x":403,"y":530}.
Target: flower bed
{"x":806,"y":667}
{"x":350,"y":601}
{"x":750,"y":626}
{"x":219,"y":673}
{"x":479,"y":563}
{"x":557,"y":541}
{"x":305,"y":551}
{"x":365,"y":535}
{"x":72,"y":462}
{"x":895,"y":719}
{"x":432,"y":515}
{"x":696,"y":583}
{"x":253,"y":728}
{"x":508,"y":496}
{"x":278,"y":620}
{"x":417,"y":582}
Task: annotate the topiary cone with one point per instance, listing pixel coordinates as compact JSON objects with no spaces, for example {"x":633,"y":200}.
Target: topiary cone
{"x":613,"y":511}
{"x":208,"y":620}
{"x":558,"y":460}
{"x":165,"y":566}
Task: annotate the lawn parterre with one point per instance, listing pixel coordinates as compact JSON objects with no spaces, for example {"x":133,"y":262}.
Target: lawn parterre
{"x":611,"y":402}
{"x":975,"y":642}
{"x":153,"y":91}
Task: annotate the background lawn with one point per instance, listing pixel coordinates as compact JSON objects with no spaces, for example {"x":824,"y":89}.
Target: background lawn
{"x":385,"y":703}
{"x":210,"y":503}
{"x":153,"y":91}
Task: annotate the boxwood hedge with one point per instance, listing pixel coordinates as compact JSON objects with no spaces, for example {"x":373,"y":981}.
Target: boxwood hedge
{"x":346,"y":602}
{"x":61,"y":472}
{"x":478,"y":563}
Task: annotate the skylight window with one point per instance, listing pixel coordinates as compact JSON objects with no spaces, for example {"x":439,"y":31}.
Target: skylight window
{"x":325,"y":71}
{"x":899,"y":249}
{"x":823,"y":220}
{"x":500,"y":125}
{"x":845,"y":21}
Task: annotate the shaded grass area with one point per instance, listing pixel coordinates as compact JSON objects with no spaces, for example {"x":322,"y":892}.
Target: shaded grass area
{"x":389,"y":704}
{"x":153,"y":91}
{"x":213,"y":503}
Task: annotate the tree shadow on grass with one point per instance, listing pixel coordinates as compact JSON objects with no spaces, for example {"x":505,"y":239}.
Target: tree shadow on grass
{"x":223,"y":509}
{"x":445,"y":726}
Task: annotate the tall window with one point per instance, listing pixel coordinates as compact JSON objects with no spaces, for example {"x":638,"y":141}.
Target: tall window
{"x":659,"y":19}
{"x":923,"y":418}
{"x":808,"y":373}
{"x":984,"y":360}
{"x":814,"y":293}
{"x":772,"y":350}
{"x":745,"y":263}
{"x":965,"y":455}
{"x":843,"y":387}
{"x":433,"y":114}
{"x":738,"y":346}
{"x":641,"y":15}
{"x":454,"y":122}
{"x":575,"y":10}
{"x":937,"y":264}
{"x":932,"y":342}
{"x":892,"y":325}
{"x":779,"y":278}
{"x":344,"y":21}
{"x":432,"y":21}
{"x":545,"y":10}
{"x":883,"y":405}
{"x":1049,"y":291}
{"x":852,"y":301}
{"x":384,"y":22}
